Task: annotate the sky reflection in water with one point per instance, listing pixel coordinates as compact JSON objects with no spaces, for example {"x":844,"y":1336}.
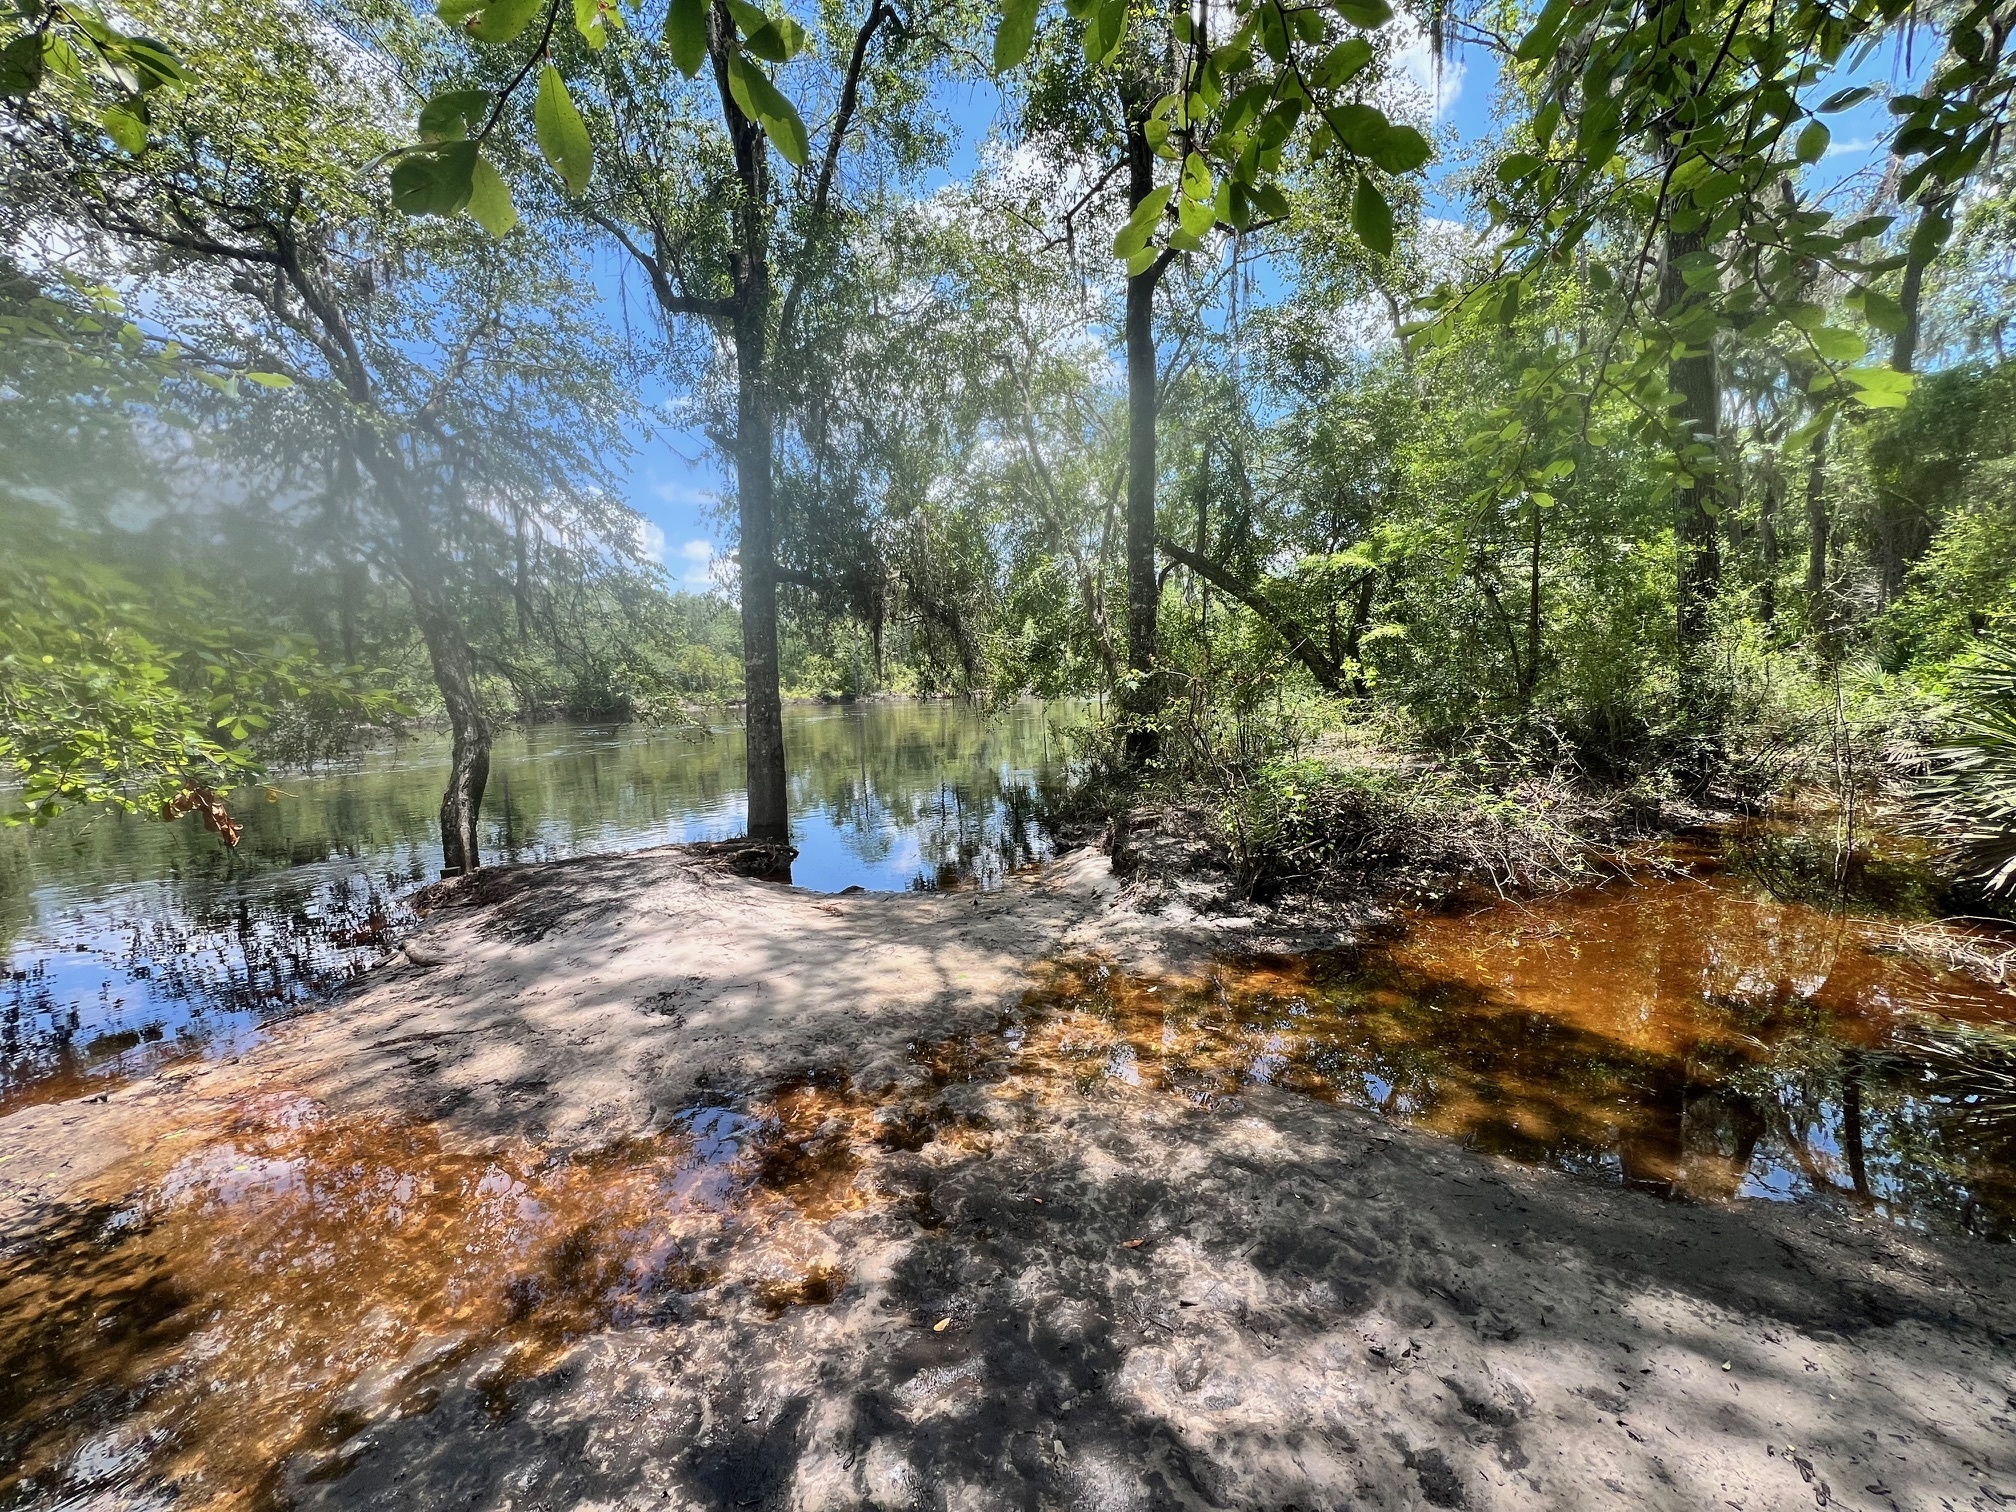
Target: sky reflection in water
{"x":1688,"y":1032}
{"x":130,"y":942}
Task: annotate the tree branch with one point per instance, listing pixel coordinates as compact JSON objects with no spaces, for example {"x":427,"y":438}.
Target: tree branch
{"x":829,"y":167}
{"x":1300,"y":642}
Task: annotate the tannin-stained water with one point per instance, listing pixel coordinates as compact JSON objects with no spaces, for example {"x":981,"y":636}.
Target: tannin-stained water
{"x":273,"y":1282}
{"x":1689,"y":1030}
{"x":266,"y":1285}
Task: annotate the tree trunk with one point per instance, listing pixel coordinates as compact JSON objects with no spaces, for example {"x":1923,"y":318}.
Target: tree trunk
{"x":1935,"y":206}
{"x":448,"y":655}
{"x":1692,"y":377}
{"x":1819,"y":528}
{"x":1143,"y":587}
{"x":1361,"y":616}
{"x":1767,"y":540}
{"x":763,"y":709}
{"x":1530,"y":682}
{"x":454,"y":668}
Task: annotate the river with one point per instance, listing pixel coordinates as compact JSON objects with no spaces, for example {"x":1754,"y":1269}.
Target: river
{"x":130,"y":942}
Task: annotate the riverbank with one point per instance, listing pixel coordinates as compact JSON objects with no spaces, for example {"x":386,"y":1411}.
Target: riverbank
{"x":633,"y":1182}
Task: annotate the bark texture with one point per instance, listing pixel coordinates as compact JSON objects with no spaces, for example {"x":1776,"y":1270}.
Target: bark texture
{"x":749,"y":319}
{"x":1143,"y":587}
{"x":1696,"y":544}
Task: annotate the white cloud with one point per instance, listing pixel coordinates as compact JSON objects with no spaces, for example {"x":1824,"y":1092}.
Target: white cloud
{"x":695,"y":567}
{"x":682,"y":494}
{"x":1414,"y":60}
{"x":650,"y":542}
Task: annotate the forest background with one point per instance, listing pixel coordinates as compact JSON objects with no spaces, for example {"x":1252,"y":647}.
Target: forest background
{"x":1654,"y":434}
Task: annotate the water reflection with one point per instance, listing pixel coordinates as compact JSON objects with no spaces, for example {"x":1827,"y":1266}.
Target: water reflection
{"x":1687,"y":1033}
{"x":131,"y":942}
{"x":270,"y":1284}
{"x":274,"y":1284}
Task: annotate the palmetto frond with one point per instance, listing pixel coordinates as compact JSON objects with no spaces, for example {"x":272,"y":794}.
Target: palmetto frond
{"x":1972,"y":788}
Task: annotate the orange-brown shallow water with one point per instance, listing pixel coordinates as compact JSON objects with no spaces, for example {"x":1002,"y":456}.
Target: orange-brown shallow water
{"x":1678,"y":1035}
{"x":267,"y":1284}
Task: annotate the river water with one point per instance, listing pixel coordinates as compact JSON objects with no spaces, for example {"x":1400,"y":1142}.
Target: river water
{"x":1752,"y":1014}
{"x":1744,"y":1017}
{"x":129,"y":942}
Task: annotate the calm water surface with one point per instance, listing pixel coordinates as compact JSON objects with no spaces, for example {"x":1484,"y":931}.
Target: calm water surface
{"x":1727,"y":1024}
{"x":129,"y":941}
{"x":1735,"y":1022}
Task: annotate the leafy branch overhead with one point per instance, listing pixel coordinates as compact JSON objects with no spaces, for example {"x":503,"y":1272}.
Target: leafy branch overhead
{"x":1693,"y":120}
{"x":68,"y":56}
{"x":1236,"y":103}
{"x":446,"y":172}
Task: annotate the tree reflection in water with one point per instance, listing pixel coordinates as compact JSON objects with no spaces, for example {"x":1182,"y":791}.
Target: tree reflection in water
{"x":1688,"y":1034}
{"x":129,"y":941}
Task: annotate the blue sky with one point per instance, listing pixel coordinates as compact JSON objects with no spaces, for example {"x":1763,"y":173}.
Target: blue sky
{"x":673,"y":480}
{"x":673,"y":483}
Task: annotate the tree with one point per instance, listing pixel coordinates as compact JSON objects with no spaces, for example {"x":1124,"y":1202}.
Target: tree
{"x":1120,"y":93}
{"x":437,"y":398}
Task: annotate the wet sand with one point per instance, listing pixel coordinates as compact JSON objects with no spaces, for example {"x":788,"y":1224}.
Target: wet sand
{"x":931,"y":1268}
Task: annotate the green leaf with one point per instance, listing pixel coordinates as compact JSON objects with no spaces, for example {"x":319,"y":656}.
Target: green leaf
{"x":1371,"y":216}
{"x":1881,"y":387}
{"x":1343,"y":63}
{"x":1812,"y":144}
{"x":1929,"y":236}
{"x":1837,"y":345}
{"x":1882,"y":312}
{"x":591,"y":21}
{"x":1016,"y":34}
{"x":152,"y":64}
{"x":1541,"y":39}
{"x":1140,"y":261}
{"x":1196,"y":178}
{"x":1845,"y":99}
{"x":502,"y":20}
{"x":60,"y":58}
{"x":21,"y":66}
{"x":271,"y":380}
{"x":686,"y":35}
{"x":1868,"y":226}
{"x":764,"y":102}
{"x":125,"y":128}
{"x":563,"y":138}
{"x":1270,"y":201}
{"x":1359,"y":127}
{"x":453,"y":114}
{"x":1399,"y":149}
{"x":777,"y":39}
{"x":1106,"y":32}
{"x":1365,"y":13}
{"x":434,"y":183}
{"x":1197,"y":217}
{"x":490,"y":199}
{"x":1141,"y":224}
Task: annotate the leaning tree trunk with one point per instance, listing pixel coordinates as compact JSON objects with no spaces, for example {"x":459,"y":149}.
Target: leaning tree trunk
{"x":1143,"y":586}
{"x":454,"y":668}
